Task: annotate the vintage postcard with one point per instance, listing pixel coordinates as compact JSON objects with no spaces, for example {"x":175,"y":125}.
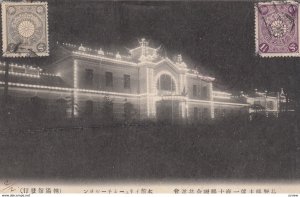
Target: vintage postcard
{"x":147,"y":97}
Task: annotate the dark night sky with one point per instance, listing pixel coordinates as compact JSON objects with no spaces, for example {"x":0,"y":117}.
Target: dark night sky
{"x":218,"y":37}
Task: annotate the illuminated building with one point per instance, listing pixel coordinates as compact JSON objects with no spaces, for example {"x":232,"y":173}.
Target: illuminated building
{"x":142,"y":85}
{"x":265,"y":103}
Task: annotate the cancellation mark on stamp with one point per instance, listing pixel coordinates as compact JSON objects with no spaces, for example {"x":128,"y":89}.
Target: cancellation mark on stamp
{"x":277,"y":29}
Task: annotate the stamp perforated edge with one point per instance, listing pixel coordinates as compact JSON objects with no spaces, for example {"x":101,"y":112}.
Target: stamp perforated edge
{"x":4,"y":31}
{"x":266,"y":55}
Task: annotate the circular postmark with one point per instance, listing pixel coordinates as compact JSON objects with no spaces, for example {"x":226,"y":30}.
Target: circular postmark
{"x":278,"y":29}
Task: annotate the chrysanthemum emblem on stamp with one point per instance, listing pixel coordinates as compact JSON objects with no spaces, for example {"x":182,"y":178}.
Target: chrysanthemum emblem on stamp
{"x":277,"y":29}
{"x":25,"y":29}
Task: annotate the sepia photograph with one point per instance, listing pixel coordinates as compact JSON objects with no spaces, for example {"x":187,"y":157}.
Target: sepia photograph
{"x":158,"y":91}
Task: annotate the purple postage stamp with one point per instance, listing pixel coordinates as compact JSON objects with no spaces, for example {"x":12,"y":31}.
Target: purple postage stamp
{"x":277,"y":29}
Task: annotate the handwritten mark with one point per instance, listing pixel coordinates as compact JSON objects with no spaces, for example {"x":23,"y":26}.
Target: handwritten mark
{"x":8,"y":186}
{"x":15,"y":48}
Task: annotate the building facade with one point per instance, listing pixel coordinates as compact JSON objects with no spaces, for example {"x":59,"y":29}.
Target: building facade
{"x":101,"y":85}
{"x":265,"y":103}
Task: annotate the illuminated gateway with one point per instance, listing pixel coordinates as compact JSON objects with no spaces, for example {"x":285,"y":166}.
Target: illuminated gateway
{"x":142,"y":85}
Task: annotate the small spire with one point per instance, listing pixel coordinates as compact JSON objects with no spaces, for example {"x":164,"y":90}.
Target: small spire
{"x":100,"y":51}
{"x":281,"y":92}
{"x":144,"y":45}
{"x":179,"y":58}
{"x":118,"y":56}
{"x":81,"y":48}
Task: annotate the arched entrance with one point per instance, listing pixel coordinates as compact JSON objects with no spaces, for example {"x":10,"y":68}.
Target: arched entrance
{"x":166,"y":84}
{"x":167,"y":107}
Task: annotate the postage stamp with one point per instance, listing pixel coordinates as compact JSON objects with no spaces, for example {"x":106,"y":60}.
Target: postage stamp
{"x":24,"y":29}
{"x":277,"y":29}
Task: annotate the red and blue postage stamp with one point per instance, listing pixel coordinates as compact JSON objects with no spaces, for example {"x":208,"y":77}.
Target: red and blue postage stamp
{"x":277,"y":29}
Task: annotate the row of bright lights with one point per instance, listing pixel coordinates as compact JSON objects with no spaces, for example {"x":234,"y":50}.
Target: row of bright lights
{"x":206,"y":78}
{"x":222,"y":97}
{"x":27,"y":67}
{"x":50,"y":74}
{"x":70,"y":89}
{"x":75,"y":80}
{"x":99,"y":51}
{"x":28,"y":75}
{"x":104,"y":58}
{"x":217,"y":94}
{"x":21,"y":66}
{"x":21,"y":74}
{"x":117,"y":94}
{"x":222,"y":93}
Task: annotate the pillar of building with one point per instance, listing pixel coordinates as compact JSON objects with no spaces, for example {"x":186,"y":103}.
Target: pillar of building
{"x":75,"y":104}
{"x":212,"y":107}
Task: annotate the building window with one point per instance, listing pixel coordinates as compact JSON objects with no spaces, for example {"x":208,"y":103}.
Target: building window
{"x":195,"y":91}
{"x":127,"y":81}
{"x":166,"y":83}
{"x":61,"y":108}
{"x":223,"y":112}
{"x":107,"y":109}
{"x":204,"y":92}
{"x":196,"y":113}
{"x":257,"y":103}
{"x":37,"y":108}
{"x":89,"y":75}
{"x":205,"y":113}
{"x":89,"y":107}
{"x":128,"y":111}
{"x":270,"y":105}
{"x":217,"y":113}
{"x":109,"y":79}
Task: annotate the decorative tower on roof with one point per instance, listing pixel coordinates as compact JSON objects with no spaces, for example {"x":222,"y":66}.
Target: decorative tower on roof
{"x":118,"y":56}
{"x":281,"y":92}
{"x":144,"y":44}
{"x":81,"y":48}
{"x":100,"y":52}
{"x":179,"y":61}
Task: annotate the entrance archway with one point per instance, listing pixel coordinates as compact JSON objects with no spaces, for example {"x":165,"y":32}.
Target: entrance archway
{"x":165,"y":84}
